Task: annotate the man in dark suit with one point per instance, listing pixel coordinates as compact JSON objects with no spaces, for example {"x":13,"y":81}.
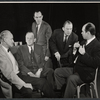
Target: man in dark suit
{"x":42,"y":32}
{"x":61,"y":43}
{"x":31,"y":63}
{"x":87,"y":59}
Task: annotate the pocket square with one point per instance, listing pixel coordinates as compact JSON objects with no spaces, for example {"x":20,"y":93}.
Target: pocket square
{"x":70,"y":45}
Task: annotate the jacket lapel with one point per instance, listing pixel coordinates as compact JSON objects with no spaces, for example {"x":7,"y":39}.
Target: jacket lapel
{"x":5,"y":54}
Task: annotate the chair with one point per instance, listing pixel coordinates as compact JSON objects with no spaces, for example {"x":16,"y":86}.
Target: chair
{"x":94,"y":83}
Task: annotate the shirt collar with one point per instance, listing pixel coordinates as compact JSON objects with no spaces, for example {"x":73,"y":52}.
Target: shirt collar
{"x":29,"y":47}
{"x":88,"y":41}
{"x":6,"y":49}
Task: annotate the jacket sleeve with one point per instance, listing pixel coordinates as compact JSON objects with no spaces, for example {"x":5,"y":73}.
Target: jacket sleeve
{"x":92,"y":60}
{"x":8,"y":72}
{"x":48,"y":35}
{"x":20,"y":61}
{"x":52,"y":42}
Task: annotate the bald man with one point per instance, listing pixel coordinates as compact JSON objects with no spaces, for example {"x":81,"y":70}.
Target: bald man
{"x":31,"y":63}
{"x":9,"y":68}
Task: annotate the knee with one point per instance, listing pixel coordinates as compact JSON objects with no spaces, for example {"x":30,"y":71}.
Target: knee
{"x":57,"y":71}
{"x":70,"y":79}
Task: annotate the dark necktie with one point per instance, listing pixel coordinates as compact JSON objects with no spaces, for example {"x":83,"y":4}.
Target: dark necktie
{"x":65,"y":41}
{"x":37,"y":29}
{"x":31,"y":54}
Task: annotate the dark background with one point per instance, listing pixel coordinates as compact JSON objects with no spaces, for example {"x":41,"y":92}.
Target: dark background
{"x":18,"y":17}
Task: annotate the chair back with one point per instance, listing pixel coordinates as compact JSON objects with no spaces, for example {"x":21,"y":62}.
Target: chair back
{"x":96,"y":73}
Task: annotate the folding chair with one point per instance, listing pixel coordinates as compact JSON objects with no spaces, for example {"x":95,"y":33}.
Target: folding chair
{"x":94,"y":83}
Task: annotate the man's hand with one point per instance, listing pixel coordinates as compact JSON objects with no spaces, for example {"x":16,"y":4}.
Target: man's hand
{"x":28,"y":85}
{"x":38,"y":73}
{"x":57,"y":55}
{"x":31,"y":74}
{"x":82,"y":50}
{"x":46,"y":58}
{"x":76,"y":45}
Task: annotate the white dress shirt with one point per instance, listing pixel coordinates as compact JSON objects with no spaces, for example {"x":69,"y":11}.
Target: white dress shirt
{"x":29,"y":47}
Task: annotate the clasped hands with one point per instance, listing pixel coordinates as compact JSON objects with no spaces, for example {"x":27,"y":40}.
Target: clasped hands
{"x":37,"y":74}
{"x":81,"y":48}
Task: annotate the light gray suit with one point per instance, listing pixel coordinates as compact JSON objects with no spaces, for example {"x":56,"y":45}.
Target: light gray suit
{"x":6,"y":68}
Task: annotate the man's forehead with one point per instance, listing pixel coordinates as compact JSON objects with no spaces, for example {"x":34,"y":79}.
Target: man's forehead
{"x":8,"y":34}
{"x":38,"y":14}
{"x":83,"y":28}
{"x":29,"y":35}
{"x":68,"y":25}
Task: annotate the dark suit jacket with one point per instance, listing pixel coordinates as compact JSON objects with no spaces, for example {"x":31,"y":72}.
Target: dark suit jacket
{"x":56,"y":41}
{"x":56,"y":45}
{"x":23,"y":58}
{"x":86,"y":64}
{"x":43,"y":36}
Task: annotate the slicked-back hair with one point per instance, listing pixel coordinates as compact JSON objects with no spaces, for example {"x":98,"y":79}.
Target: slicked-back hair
{"x":91,"y":28}
{"x":67,"y":22}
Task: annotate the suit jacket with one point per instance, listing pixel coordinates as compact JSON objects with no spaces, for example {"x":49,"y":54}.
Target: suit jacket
{"x":6,"y":68}
{"x":86,"y":64}
{"x":43,"y":36}
{"x":56,"y":42}
{"x":23,"y":58}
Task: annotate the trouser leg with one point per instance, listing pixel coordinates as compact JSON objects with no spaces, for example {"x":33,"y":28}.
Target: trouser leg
{"x":61,"y":75}
{"x":48,"y":73}
{"x":72,"y":82}
{"x":24,"y":92}
{"x":41,"y":84}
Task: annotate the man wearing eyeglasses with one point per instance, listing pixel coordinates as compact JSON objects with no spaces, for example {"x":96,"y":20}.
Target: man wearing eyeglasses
{"x":42,"y":33}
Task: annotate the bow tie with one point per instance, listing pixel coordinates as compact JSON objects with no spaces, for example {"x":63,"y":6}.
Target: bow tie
{"x":8,"y":50}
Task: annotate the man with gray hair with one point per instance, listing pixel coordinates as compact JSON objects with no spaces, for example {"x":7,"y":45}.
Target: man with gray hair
{"x":9,"y":66}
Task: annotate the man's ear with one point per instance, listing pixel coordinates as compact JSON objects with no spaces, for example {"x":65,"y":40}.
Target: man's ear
{"x":88,"y":32}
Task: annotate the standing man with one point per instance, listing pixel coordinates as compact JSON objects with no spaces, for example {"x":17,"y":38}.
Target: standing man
{"x":87,"y":59}
{"x":31,"y":64}
{"x":9,"y":66}
{"x":42,"y":33}
{"x":61,"y":44}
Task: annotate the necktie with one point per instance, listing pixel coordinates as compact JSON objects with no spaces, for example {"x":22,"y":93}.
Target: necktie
{"x":65,"y":41}
{"x":31,"y":54}
{"x":37,"y":29}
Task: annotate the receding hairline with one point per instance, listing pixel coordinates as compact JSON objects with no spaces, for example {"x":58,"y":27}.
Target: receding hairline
{"x":67,"y":23}
{"x":29,"y":33}
{"x":37,"y":12}
{"x":5,"y":33}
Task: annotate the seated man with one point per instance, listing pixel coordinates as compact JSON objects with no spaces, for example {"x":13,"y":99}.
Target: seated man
{"x":87,"y":59}
{"x":10,"y":70}
{"x":8,"y":67}
{"x":31,"y":63}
